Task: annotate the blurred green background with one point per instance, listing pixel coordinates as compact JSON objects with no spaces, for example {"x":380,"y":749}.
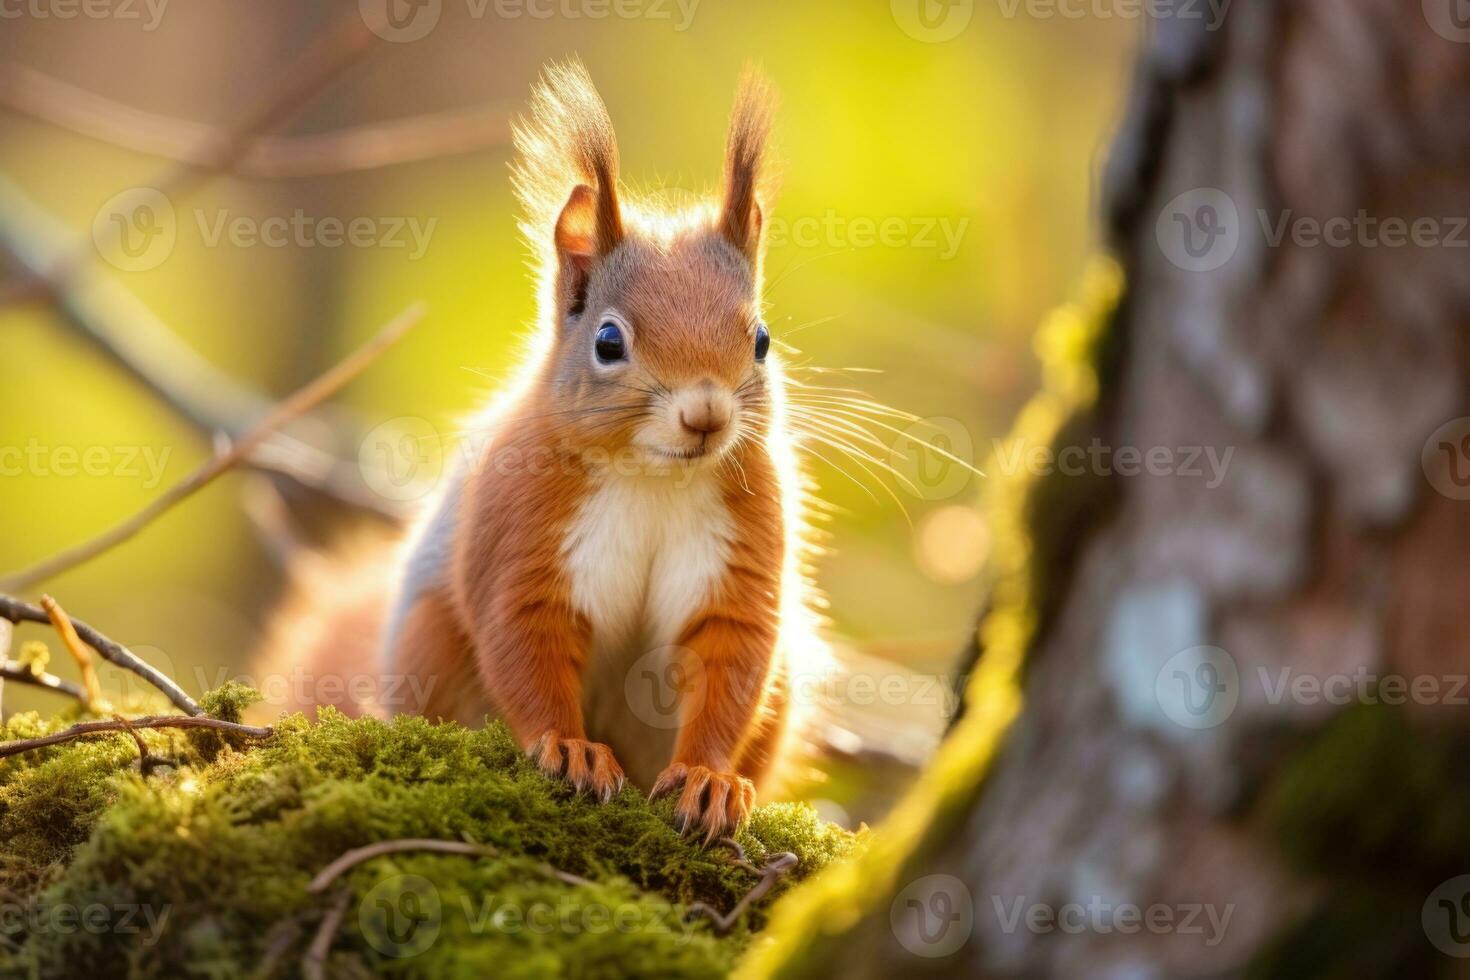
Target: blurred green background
{"x":977,"y":153}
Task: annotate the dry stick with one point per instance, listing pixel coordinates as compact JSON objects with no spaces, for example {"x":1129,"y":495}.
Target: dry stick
{"x":86,"y":728}
{"x":7,"y":633}
{"x":113,"y":320}
{"x":142,"y":747}
{"x":109,"y":317}
{"x":21,"y":674}
{"x":78,"y":650}
{"x":314,"y":961}
{"x":40,"y":96}
{"x":16,"y":611}
{"x":777,"y":866}
{"x":358,"y":855}
{"x":303,"y":400}
{"x":325,"y":58}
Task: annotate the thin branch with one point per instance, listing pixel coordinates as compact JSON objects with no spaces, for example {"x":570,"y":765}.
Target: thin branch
{"x":326,"y":57}
{"x":7,"y":633}
{"x":358,"y":855}
{"x":16,"y":611}
{"x":12,"y":670}
{"x":777,"y":866}
{"x":112,"y":319}
{"x":303,"y":400}
{"x":78,"y":650}
{"x":314,"y":961}
{"x":40,"y":96}
{"x":86,"y":728}
{"x":147,"y":761}
{"x":50,"y":262}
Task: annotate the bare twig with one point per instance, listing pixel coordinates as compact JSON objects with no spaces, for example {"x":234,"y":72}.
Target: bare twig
{"x":325,"y":58}
{"x":16,"y":611}
{"x":358,"y":855}
{"x":777,"y":866}
{"x":116,"y":322}
{"x":7,"y":633}
{"x":314,"y":961}
{"x":10,"y":670}
{"x":142,"y":746}
{"x":83,"y":729}
{"x":50,"y":261}
{"x":78,"y":650}
{"x":303,"y":400}
{"x":147,"y":761}
{"x":40,"y":96}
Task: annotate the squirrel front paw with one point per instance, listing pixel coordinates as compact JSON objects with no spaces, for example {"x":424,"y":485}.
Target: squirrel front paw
{"x":713,"y":802}
{"x":588,"y":766}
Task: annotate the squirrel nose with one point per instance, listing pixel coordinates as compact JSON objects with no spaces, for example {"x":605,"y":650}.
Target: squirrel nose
{"x":707,"y":412}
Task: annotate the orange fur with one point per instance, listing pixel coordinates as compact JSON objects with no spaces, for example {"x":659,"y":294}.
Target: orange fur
{"x":521,"y":582}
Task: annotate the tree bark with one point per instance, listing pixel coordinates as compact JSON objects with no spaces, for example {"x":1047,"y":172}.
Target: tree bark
{"x":1213,"y":724}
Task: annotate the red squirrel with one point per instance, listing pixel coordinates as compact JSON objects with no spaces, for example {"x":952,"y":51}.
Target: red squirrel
{"x":635,"y":498}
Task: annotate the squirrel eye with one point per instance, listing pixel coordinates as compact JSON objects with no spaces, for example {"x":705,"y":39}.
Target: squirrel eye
{"x":610,"y":345}
{"x":762,"y":341}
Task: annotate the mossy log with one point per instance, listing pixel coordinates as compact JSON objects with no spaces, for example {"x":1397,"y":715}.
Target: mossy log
{"x":202,"y":867}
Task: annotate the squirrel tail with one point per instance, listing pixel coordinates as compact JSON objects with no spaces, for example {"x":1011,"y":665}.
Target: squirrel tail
{"x":322,"y":643}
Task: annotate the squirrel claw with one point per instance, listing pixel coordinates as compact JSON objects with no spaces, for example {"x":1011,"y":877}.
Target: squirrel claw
{"x":589,"y":766}
{"x":713,"y":802}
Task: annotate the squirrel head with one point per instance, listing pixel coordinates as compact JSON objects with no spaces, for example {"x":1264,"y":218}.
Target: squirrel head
{"x":652,"y":317}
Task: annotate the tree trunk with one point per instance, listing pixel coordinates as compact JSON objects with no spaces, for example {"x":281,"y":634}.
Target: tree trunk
{"x":1243,"y":745}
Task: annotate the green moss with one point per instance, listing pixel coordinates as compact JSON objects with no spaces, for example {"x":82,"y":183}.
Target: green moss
{"x":1370,"y":795}
{"x":219,"y":851}
{"x":1374,"y":808}
{"x":830,"y":916}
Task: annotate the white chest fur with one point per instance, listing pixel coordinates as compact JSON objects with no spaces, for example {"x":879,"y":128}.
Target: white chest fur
{"x":643,"y":554}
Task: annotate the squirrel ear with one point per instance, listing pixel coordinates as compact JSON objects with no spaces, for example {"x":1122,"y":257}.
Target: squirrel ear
{"x":745,"y":149}
{"x":588,"y":228}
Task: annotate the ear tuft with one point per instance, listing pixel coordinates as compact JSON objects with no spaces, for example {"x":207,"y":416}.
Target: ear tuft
{"x":566,"y":173}
{"x":741,"y":216}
